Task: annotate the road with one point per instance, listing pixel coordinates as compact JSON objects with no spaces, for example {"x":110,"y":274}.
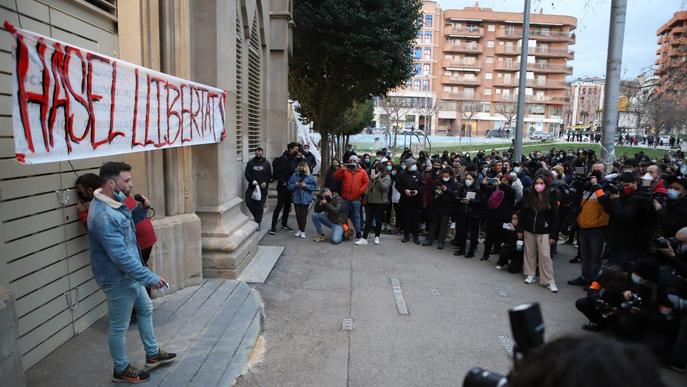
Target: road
{"x":457,"y":309}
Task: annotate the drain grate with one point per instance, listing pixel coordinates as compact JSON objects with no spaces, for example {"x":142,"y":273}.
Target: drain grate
{"x":398,"y":296}
{"x":347,"y":324}
{"x":507,"y":344}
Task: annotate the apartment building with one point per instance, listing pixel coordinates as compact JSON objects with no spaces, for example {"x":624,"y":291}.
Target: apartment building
{"x":672,"y":54}
{"x":467,"y":71}
{"x":412,"y":106}
{"x":587,"y":101}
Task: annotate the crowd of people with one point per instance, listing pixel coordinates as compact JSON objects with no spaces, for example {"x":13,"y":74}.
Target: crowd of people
{"x":628,"y":221}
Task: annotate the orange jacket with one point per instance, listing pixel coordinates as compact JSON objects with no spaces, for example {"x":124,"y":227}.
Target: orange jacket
{"x":353,"y":184}
{"x":592,"y":214}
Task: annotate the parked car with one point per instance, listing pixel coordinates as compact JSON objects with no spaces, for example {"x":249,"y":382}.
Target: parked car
{"x":495,"y":133}
{"x":540,"y":135}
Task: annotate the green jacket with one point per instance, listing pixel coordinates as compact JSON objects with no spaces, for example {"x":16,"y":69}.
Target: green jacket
{"x":378,"y":190}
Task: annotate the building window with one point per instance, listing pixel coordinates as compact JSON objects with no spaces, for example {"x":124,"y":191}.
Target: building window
{"x":428,"y":21}
{"x":428,"y":53}
{"x":418,"y":69}
{"x":490,"y":43}
{"x":536,"y":109}
{"x":418,"y":53}
{"x":488,"y":75}
{"x":485,"y":107}
{"x":425,"y":85}
{"x":416,"y":84}
{"x":419,"y":37}
{"x":254,"y":88}
{"x":428,"y":37}
{"x":490,"y":59}
{"x":487,"y":91}
{"x":491,"y":28}
{"x":239,"y":89}
{"x":447,"y":89}
{"x":425,"y":70}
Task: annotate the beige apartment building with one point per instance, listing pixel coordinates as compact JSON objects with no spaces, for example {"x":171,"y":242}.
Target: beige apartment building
{"x":587,"y":101}
{"x":471,"y":73}
{"x":672,"y":53}
{"x":240,"y":46}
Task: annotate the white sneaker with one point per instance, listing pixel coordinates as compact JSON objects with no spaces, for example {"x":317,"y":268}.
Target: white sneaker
{"x":297,"y":234}
{"x":552,"y":287}
{"x":376,"y":240}
{"x":499,"y":267}
{"x":529,"y":280}
{"x":361,"y":241}
{"x":302,"y":234}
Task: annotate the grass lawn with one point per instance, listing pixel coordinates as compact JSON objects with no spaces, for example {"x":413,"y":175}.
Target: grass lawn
{"x":543,"y":147}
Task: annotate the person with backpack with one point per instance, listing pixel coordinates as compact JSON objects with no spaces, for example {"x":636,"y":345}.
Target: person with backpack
{"x":632,"y":220}
{"x":538,"y":228}
{"x":302,"y":184}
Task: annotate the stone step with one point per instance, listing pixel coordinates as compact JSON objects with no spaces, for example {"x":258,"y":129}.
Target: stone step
{"x":211,"y":327}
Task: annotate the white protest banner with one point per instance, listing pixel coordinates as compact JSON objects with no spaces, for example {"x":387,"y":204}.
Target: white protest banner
{"x":70,"y":103}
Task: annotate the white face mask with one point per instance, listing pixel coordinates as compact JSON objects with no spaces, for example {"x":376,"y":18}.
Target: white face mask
{"x":413,"y":168}
{"x":647,"y":176}
{"x":445,"y":179}
{"x":516,"y":169}
{"x":555,"y":174}
{"x":468,"y":182}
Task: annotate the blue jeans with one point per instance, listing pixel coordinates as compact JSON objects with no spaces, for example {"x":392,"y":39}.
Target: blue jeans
{"x":354,"y":209}
{"x":120,"y":302}
{"x":320,"y":218}
{"x":591,"y":242}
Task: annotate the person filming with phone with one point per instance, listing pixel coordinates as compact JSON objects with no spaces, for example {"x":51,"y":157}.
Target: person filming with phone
{"x":119,"y":271}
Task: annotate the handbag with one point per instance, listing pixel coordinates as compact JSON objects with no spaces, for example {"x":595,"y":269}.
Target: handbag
{"x":495,"y":199}
{"x":256,"y":195}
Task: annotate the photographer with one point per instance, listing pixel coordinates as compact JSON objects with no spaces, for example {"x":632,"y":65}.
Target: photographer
{"x":631,"y":221}
{"x":330,"y":210}
{"x":354,"y":182}
{"x":638,"y":314}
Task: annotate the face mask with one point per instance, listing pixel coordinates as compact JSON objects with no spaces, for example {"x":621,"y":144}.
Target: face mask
{"x":445,"y":179}
{"x":636,"y":279}
{"x":516,"y":169}
{"x":119,"y":195}
{"x":428,"y":169}
{"x":335,"y":166}
{"x":403,"y":166}
{"x":413,"y":168}
{"x":468,"y":182}
{"x":555,"y":174}
{"x":539,"y":187}
{"x":367,"y":160}
{"x":389,"y":167}
{"x":673,"y":194}
{"x":393,"y":173}
{"x":628,"y":190}
{"x":647,"y":176}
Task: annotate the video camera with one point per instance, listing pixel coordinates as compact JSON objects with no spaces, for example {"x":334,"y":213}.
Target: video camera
{"x":527,"y":325}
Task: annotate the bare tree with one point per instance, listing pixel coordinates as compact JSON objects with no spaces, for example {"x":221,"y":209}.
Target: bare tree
{"x":509,"y":111}
{"x":584,"y":114}
{"x":429,"y":109}
{"x":396,"y":108}
{"x":468,"y":111}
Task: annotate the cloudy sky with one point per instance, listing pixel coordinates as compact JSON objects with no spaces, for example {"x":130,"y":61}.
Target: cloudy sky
{"x":644,"y":17}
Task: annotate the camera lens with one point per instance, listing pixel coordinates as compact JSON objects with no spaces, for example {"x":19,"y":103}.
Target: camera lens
{"x":479,"y":377}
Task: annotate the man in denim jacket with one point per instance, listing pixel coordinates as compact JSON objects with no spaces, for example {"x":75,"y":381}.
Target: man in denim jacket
{"x":119,"y":271}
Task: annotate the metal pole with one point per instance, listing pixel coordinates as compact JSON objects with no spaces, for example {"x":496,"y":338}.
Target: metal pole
{"x":616,"y":33}
{"x":522,"y":82}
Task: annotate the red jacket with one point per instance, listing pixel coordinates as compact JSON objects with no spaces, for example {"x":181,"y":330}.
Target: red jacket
{"x":353,"y":184}
{"x":145,"y":233}
{"x":660,"y":187}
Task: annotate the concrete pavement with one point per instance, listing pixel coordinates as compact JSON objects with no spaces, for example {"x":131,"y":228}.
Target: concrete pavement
{"x":457,"y":309}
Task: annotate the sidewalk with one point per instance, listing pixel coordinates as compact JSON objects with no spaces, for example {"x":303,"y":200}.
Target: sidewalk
{"x":457,"y":311}
{"x":211,"y":327}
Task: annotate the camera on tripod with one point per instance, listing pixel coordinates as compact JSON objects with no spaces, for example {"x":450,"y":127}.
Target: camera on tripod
{"x":527,"y":325}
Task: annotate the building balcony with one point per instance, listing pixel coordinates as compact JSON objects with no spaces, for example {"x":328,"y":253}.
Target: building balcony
{"x":464,"y":48}
{"x":461,"y":96}
{"x":509,"y":34}
{"x":464,"y":32}
{"x":552,"y":52}
{"x":461,"y":63}
{"x":507,"y":50}
{"x":551,"y":36}
{"x":507,"y":66}
{"x":460,"y":81}
{"x":549,"y":68}
{"x":554,"y":100}
{"x":531,"y":83}
{"x":506,"y":82}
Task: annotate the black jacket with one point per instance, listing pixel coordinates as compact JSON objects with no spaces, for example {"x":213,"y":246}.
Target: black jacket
{"x":674,"y":216}
{"x":310,"y":159}
{"x":475,"y":207}
{"x":258,"y":169}
{"x":504,"y":212}
{"x":330,"y":182}
{"x":627,"y":217}
{"x":283,"y":167}
{"x":411,"y":181}
{"x":539,"y":222}
{"x":443,"y":201}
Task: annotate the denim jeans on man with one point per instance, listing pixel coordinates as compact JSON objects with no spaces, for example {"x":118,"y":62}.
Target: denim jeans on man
{"x":591,"y":242}
{"x":354,"y":208}
{"x":320,"y":218}
{"x":120,"y":302}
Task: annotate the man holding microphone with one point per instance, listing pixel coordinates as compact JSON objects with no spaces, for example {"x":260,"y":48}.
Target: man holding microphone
{"x":119,"y":271}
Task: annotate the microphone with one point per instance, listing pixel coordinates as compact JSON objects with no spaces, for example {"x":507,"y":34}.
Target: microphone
{"x":139,"y":198}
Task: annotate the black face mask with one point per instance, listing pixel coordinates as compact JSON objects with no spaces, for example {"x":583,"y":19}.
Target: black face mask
{"x":83,"y":196}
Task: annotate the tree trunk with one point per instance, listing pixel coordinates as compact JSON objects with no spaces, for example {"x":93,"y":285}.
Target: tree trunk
{"x":325,"y":152}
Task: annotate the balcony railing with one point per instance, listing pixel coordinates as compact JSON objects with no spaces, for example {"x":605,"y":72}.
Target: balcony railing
{"x":460,"y":80}
{"x":549,"y":68}
{"x":557,"y":52}
{"x":513,"y":66}
{"x":461,"y":63}
{"x":532,"y":83}
{"x":469,"y":48}
{"x":551,"y":36}
{"x":463,"y":31}
{"x":461,"y":96}
{"x":532,"y":98}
